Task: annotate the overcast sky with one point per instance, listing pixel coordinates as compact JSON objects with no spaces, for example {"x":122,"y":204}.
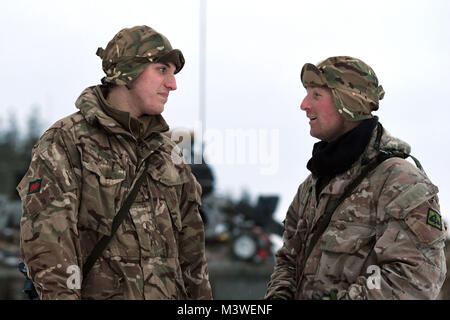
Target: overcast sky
{"x":255,"y":51}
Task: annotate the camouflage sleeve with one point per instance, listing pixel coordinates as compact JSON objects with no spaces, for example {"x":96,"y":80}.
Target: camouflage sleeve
{"x":49,"y":194}
{"x":282,"y":284}
{"x":192,"y":243}
{"x":410,"y":251}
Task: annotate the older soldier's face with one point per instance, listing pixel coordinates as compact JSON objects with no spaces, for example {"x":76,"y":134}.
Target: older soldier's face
{"x":150,"y":90}
{"x":325,"y":122}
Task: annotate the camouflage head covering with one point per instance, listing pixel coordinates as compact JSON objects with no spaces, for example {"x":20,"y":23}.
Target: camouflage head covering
{"x":130,"y":52}
{"x":353,"y":83}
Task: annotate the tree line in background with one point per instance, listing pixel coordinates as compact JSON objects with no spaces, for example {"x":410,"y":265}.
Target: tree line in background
{"x":15,"y":151}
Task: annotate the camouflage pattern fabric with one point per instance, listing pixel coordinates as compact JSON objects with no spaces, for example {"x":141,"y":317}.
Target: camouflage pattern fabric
{"x":132,"y":49}
{"x":82,"y":170}
{"x":353,"y":83}
{"x":391,"y":222}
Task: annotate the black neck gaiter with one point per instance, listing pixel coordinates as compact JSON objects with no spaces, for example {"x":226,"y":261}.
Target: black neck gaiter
{"x":332,"y":158}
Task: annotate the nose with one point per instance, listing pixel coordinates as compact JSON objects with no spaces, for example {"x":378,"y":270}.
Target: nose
{"x":305,"y":105}
{"x":171,"y":82}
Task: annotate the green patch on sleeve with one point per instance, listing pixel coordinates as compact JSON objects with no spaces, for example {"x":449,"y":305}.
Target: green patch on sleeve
{"x":434,"y":219}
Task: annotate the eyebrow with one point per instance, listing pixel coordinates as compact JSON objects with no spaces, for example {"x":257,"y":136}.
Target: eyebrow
{"x":163,"y":63}
{"x":166,"y":64}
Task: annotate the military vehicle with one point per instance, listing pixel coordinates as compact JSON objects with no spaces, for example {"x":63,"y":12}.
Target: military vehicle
{"x":239,"y":246}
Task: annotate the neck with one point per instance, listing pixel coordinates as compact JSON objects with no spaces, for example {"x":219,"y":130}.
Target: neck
{"x":119,"y":98}
{"x":348,"y":126}
{"x":332,"y":158}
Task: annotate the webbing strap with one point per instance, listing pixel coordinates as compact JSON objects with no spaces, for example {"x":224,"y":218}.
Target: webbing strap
{"x":325,"y":219}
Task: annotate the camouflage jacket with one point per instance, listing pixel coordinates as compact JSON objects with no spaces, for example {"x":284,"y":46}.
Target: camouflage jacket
{"x":82,"y":169}
{"x":385,"y":241}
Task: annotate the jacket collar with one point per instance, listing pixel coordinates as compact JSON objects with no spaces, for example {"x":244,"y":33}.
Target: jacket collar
{"x":332,"y":158}
{"x":96,"y":110}
{"x":388,"y":143}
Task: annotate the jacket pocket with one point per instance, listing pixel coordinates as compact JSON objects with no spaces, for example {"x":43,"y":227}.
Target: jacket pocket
{"x":169,"y":183}
{"x":101,"y":193}
{"x":104,"y":282}
{"x":165,"y":189}
{"x":345,"y":249}
{"x":341,"y":237}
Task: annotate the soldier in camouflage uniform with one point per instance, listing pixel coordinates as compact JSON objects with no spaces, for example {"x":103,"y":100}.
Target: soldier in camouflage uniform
{"x":386,"y":239}
{"x":85,"y":165}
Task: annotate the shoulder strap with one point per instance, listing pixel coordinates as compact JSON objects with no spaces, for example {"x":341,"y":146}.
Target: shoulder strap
{"x":386,"y":154}
{"x":120,"y":216}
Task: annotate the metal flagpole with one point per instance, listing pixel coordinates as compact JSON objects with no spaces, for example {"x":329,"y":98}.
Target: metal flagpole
{"x":202,"y":79}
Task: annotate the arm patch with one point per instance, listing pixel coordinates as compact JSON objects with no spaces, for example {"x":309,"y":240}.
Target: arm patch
{"x":426,"y":222}
{"x":434,"y":219}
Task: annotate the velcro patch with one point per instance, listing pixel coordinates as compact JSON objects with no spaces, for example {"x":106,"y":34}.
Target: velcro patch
{"x":34,"y":186}
{"x":434,"y":219}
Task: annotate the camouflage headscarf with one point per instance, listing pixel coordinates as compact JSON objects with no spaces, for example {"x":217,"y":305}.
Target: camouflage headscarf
{"x":353,"y":83}
{"x":130,"y":52}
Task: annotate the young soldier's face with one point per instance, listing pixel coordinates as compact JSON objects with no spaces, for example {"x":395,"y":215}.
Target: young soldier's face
{"x":325,"y":121}
{"x":150,"y":90}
